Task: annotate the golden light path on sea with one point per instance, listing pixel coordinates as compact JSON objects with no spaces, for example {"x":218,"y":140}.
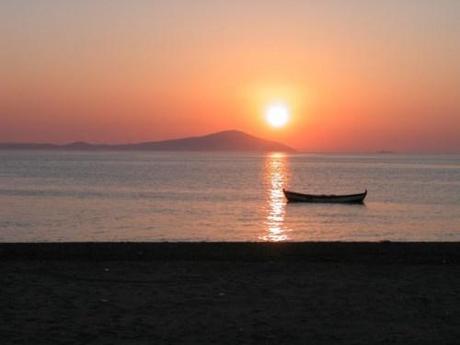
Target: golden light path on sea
{"x":276,"y":177}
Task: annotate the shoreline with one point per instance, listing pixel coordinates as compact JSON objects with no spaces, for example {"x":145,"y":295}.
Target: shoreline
{"x":352,"y":252}
{"x":230,"y":293}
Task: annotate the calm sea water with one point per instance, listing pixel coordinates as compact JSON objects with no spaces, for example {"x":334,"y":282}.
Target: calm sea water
{"x":160,"y":196}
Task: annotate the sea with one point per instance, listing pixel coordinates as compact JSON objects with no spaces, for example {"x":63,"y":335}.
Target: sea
{"x":203,"y":196}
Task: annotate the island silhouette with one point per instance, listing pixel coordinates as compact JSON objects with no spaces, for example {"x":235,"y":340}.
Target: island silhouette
{"x":229,"y":140}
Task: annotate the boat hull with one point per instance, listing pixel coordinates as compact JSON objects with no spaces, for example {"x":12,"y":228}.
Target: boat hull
{"x":336,"y":199}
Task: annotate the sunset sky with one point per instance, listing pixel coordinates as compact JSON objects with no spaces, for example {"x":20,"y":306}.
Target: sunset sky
{"x":355,"y":75}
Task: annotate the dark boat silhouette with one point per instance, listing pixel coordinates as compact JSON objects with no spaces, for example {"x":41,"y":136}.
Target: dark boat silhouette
{"x":321,"y":198}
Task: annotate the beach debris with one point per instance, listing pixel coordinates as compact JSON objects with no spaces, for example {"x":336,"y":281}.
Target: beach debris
{"x":106,"y":269}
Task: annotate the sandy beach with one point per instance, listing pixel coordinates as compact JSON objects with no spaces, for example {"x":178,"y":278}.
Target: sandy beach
{"x":229,"y":293}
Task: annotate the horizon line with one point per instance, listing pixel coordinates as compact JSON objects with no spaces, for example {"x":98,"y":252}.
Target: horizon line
{"x":297,"y":151}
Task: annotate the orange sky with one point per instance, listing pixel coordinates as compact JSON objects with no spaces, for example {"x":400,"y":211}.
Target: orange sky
{"x":362,"y":77}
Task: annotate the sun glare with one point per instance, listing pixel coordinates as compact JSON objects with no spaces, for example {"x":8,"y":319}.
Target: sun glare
{"x":277,"y":114}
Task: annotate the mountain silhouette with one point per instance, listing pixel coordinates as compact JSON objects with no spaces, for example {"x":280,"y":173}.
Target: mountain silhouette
{"x":231,"y":140}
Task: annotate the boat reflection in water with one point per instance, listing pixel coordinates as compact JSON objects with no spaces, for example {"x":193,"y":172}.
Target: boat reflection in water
{"x":275,"y":178}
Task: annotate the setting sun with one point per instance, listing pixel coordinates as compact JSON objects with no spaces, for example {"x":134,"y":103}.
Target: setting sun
{"x":277,"y":115}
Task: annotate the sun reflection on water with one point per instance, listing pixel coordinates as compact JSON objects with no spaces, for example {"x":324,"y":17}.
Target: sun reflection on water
{"x":275,"y":177}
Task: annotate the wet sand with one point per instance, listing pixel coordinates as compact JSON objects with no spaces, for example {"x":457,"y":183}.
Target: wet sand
{"x":230,"y":293}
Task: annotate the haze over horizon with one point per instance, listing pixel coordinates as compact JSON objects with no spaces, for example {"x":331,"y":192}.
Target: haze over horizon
{"x":363,"y":77}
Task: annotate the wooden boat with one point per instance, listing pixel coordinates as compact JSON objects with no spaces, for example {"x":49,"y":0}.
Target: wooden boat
{"x":341,"y":199}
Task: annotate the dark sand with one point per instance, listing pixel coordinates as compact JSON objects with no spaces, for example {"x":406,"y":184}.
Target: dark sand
{"x":217,"y":293}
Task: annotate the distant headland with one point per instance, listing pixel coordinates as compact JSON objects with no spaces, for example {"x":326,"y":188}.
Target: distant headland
{"x":230,"y":140}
